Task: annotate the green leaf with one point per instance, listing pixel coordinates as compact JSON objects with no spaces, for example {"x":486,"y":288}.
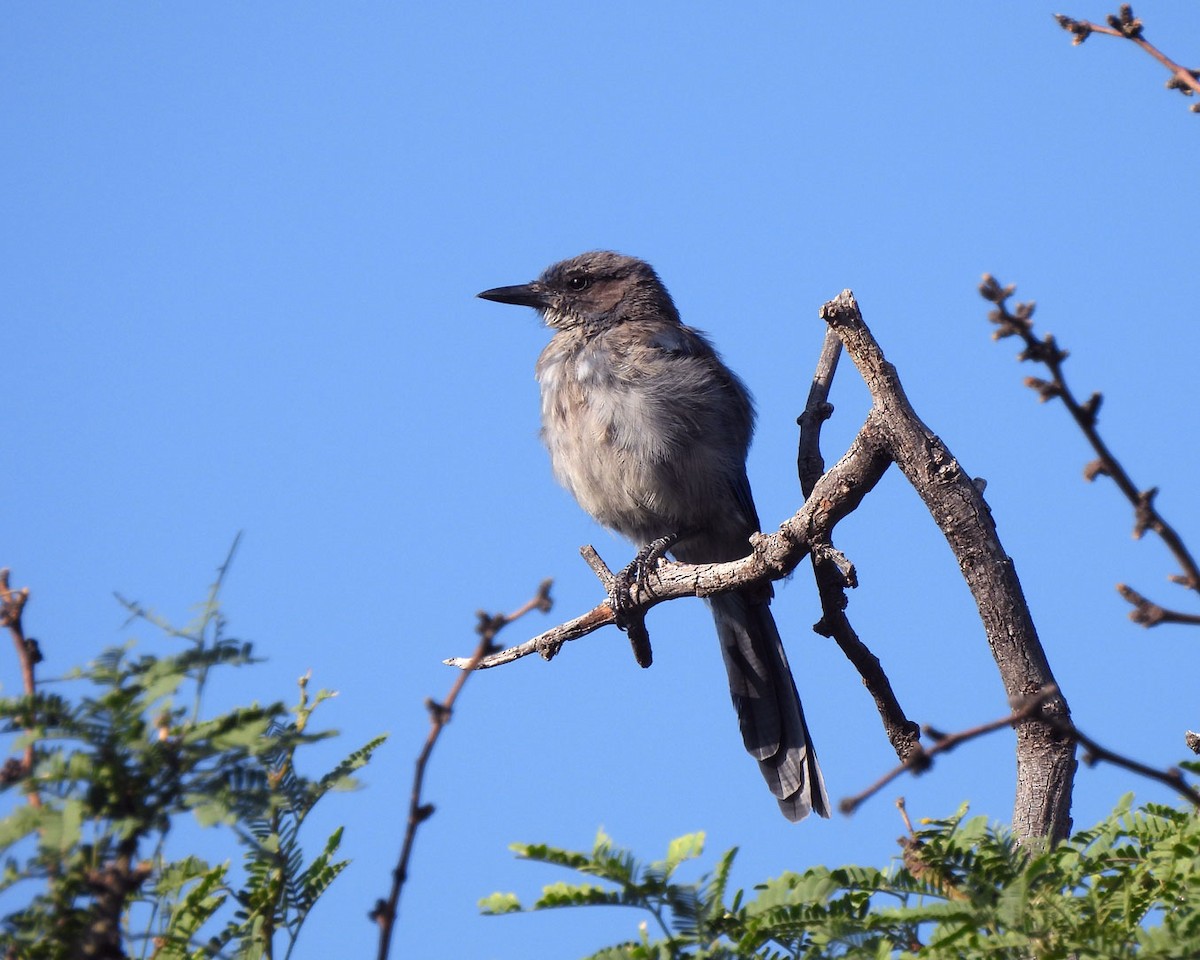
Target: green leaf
{"x":339,"y":777}
{"x":23,"y":821}
{"x":210,"y":812}
{"x":687,"y":847}
{"x":172,"y":877}
{"x":499,"y":903}
{"x":575,"y":895}
{"x":62,"y":832}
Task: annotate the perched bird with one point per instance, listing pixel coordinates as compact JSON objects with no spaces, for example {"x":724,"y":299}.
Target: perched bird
{"x":649,"y":431}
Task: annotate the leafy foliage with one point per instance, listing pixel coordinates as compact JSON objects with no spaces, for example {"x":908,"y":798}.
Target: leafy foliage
{"x":1128,"y":887}
{"x":117,"y":761}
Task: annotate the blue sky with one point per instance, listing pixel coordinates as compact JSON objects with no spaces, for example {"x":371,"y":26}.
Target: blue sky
{"x":242,"y":245}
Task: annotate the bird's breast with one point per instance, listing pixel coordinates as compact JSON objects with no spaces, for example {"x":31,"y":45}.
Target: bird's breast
{"x":609,"y":442}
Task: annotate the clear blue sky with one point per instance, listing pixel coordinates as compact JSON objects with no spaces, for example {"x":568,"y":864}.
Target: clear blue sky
{"x":241,"y":248}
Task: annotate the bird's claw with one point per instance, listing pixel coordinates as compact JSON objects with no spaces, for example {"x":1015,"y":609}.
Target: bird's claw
{"x":624,"y":610}
{"x":646,"y":560}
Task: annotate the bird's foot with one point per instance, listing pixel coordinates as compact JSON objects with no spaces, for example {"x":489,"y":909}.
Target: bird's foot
{"x":638,"y":572}
{"x":647,"y":559}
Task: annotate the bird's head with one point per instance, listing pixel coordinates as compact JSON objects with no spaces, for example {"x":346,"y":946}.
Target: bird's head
{"x":593,"y":290}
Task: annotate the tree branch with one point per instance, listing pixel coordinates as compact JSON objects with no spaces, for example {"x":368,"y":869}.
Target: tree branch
{"x":1045,"y":762}
{"x":772,"y":557}
{"x":809,"y":462}
{"x":12,"y":609}
{"x":1125,"y":25}
{"x":385,"y":912}
{"x":1019,"y":322}
{"x":921,"y":759}
{"x":1031,"y":708}
{"x":1150,"y":614}
{"x":831,"y":576}
{"x":1094,"y":753}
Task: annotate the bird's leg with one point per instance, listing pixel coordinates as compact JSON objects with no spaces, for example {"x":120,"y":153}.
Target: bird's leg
{"x":638,"y":571}
{"x":640,"y":567}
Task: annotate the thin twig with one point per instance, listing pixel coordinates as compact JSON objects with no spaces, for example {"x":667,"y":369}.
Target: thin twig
{"x":385,"y":911}
{"x":1150,"y":614}
{"x":817,"y":409}
{"x":1094,"y":753}
{"x":1125,"y":25}
{"x":1019,"y":322}
{"x":833,"y":575}
{"x":921,"y":758}
{"x":29,"y":654}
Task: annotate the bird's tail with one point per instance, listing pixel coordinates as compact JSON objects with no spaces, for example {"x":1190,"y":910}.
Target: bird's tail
{"x":768,"y":706}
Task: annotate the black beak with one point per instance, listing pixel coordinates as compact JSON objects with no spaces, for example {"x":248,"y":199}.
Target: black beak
{"x":523,"y":295}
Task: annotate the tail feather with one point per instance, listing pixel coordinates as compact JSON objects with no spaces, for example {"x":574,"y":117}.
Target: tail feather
{"x":768,"y":706}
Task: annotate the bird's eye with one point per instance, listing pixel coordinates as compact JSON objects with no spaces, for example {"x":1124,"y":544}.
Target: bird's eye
{"x":579,"y":282}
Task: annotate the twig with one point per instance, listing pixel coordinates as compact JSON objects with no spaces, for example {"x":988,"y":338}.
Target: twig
{"x":831,"y":576}
{"x":385,"y":912}
{"x":1094,"y":753}
{"x":12,"y":609}
{"x":547,"y":644}
{"x":921,"y":759}
{"x":1125,"y":25}
{"x":817,"y":409}
{"x":1150,"y":614}
{"x":1019,"y":322}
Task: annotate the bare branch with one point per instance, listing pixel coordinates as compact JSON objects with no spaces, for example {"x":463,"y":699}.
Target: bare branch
{"x":772,"y":556}
{"x":809,"y":462}
{"x":833,"y":573}
{"x":1125,"y":25}
{"x":1150,"y":614}
{"x":385,"y":911}
{"x":1045,"y":764}
{"x":29,"y":654}
{"x":1094,"y":753}
{"x":921,"y":759}
{"x":546,"y":644}
{"x":1018,"y":322}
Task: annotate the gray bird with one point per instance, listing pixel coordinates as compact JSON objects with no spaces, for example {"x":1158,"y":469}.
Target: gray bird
{"x":649,"y":431}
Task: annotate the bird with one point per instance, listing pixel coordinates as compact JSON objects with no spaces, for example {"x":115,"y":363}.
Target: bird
{"x":649,"y":430}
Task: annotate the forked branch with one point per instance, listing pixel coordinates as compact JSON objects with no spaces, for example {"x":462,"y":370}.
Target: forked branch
{"x":1124,"y":25}
{"x":922,"y":758}
{"x":833,"y":574}
{"x":1045,"y":759}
